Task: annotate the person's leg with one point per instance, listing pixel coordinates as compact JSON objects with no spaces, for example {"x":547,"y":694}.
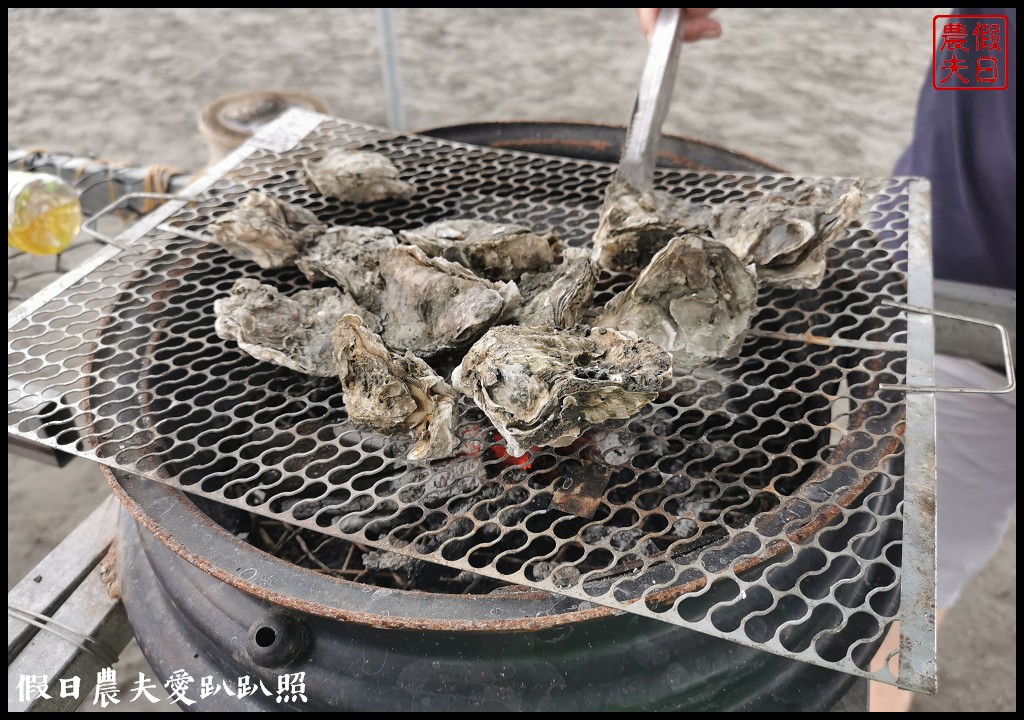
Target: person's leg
{"x":976,"y":458}
{"x":882,"y":696}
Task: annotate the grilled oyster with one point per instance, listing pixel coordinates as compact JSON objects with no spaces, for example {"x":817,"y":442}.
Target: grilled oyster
{"x":635,"y":225}
{"x":785,"y":233}
{"x":356,"y":176}
{"x":788,"y":234}
{"x":558,"y":296}
{"x":695,"y":299}
{"x":496,"y":251}
{"x":291,"y":331}
{"x":427,"y":306}
{"x":430,"y":306}
{"x":393,"y":393}
{"x":544,"y":387}
{"x":268,"y":231}
{"x":350,"y":255}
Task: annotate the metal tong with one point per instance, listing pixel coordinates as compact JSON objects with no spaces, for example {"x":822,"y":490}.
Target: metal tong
{"x":653,"y":97}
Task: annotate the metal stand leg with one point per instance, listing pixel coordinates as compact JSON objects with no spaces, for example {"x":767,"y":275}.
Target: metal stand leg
{"x":65,"y":618}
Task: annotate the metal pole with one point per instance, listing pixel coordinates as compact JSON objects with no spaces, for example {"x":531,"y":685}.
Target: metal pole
{"x":389,"y":67}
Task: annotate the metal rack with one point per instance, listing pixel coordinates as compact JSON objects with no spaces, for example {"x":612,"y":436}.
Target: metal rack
{"x":714,"y":505}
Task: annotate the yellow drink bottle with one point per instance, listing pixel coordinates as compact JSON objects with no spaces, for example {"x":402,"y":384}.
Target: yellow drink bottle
{"x":43,"y":213}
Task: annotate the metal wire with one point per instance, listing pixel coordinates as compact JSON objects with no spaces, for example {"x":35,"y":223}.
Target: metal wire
{"x":87,"y":643}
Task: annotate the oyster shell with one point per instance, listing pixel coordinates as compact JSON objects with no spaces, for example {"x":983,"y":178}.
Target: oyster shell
{"x":788,"y":234}
{"x":695,"y":299}
{"x":350,"y":255}
{"x":268,"y":231}
{"x":496,"y":251}
{"x":635,"y":225}
{"x":428,"y":306}
{"x":559,"y":296}
{"x":291,"y":331}
{"x":356,"y":176}
{"x":544,"y":387}
{"x":394,"y":393}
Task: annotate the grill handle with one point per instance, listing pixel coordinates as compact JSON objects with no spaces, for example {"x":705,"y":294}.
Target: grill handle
{"x":89,"y":226}
{"x":1004,"y":337}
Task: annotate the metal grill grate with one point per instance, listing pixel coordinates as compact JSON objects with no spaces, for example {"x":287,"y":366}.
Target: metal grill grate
{"x":716,"y":508}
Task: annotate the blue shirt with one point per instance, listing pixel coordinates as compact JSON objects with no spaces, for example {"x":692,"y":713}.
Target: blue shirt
{"x":965,"y":143}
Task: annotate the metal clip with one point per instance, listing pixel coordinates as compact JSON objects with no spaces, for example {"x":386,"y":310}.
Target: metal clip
{"x":87,"y":226}
{"x":1004,"y":336}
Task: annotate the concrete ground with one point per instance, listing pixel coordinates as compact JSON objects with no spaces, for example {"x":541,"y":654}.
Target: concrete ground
{"x":827,"y":92}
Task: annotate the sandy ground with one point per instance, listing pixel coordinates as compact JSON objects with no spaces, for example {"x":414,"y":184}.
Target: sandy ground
{"x":825,"y":92}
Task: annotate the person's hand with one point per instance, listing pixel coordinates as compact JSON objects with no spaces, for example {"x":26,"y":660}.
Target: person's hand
{"x":698,"y":25}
